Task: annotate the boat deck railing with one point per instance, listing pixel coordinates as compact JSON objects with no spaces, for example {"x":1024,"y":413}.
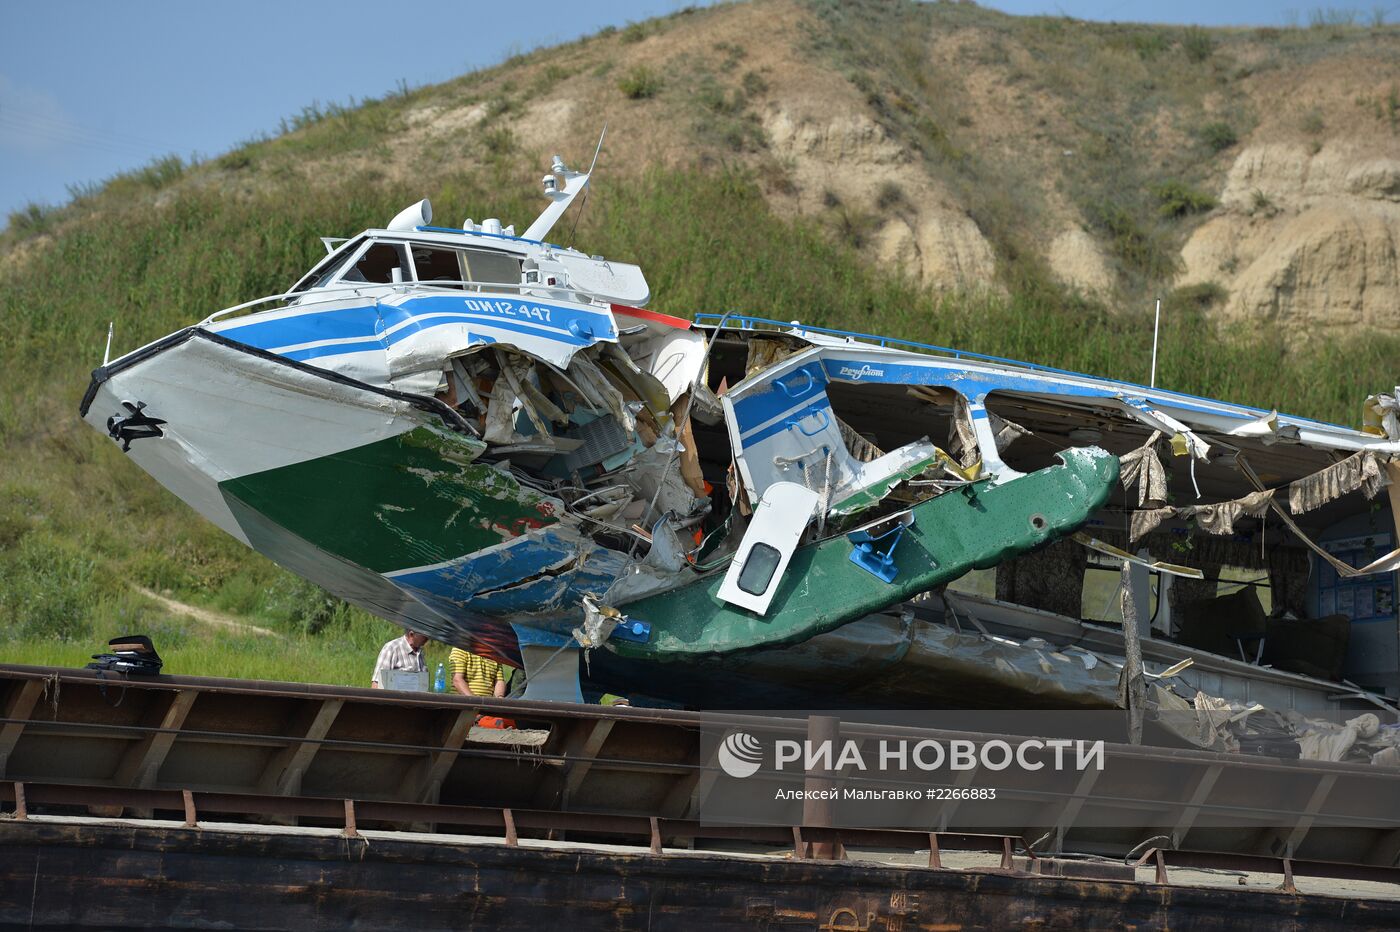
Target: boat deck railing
{"x":744,"y":322}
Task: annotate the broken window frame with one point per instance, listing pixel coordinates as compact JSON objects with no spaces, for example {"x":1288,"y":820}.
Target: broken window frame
{"x":328,"y":269}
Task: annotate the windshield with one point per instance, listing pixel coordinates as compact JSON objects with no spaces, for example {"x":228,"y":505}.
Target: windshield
{"x":378,"y":263}
{"x":375,"y":263}
{"x":322,"y":273}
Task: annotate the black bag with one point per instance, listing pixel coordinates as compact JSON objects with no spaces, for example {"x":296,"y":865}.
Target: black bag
{"x":132,"y":653}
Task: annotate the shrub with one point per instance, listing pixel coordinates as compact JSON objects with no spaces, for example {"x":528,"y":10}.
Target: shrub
{"x":890,"y":196}
{"x":635,"y":32}
{"x":712,"y":96}
{"x":1148,"y":45}
{"x":237,"y":160}
{"x":1197,"y":44}
{"x":754,"y":84}
{"x":1138,"y":246}
{"x":47,"y":589}
{"x":499,"y":106}
{"x":1201,"y":296}
{"x":1177,"y":199}
{"x":550,"y":76}
{"x":640,"y":83}
{"x":31,"y":219}
{"x":306,"y":608}
{"x":498,"y":141}
{"x":733,"y":54}
{"x":1217,"y":136}
{"x":1320,"y":17}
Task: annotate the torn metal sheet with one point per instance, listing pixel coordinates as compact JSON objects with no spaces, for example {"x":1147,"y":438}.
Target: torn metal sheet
{"x":1381,"y":415}
{"x":1267,"y":428}
{"x":1158,"y":565}
{"x":1184,"y":441}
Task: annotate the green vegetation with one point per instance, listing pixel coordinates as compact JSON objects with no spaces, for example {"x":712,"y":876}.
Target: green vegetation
{"x":1217,"y":136}
{"x":1178,"y":199}
{"x":723,"y":115}
{"x":1197,"y":44}
{"x":1261,"y":203}
{"x":1198,"y":297}
{"x":1141,"y":248}
{"x":31,"y":219}
{"x":189,"y":648}
{"x":639,"y":83}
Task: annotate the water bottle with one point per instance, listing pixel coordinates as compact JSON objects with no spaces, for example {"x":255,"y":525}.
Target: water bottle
{"x":440,"y":680}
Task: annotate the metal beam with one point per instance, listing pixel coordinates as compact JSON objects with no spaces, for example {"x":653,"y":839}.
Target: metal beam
{"x":1309,"y":814}
{"x":581,"y":749}
{"x":1210,"y":860}
{"x":689,"y":792}
{"x":1204,"y":785}
{"x":427,"y":786}
{"x":20,"y":706}
{"x":284,"y":773}
{"x":141,"y":763}
{"x":964,"y":780}
{"x":1386,"y":850}
{"x":1072,"y":809}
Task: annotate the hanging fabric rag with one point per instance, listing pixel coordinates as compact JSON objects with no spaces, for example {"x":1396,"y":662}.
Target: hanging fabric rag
{"x":1143,"y":522}
{"x":1362,"y":470}
{"x":1220,"y":518}
{"x":1386,"y":564}
{"x":1143,"y":467}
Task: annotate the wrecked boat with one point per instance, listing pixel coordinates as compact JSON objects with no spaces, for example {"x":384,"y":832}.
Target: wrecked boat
{"x":489,"y":438}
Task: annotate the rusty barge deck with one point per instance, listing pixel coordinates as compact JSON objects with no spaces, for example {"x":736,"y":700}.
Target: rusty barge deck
{"x":180,"y":789}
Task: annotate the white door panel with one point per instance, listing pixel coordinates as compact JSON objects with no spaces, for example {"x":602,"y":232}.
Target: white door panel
{"x":774,"y":533}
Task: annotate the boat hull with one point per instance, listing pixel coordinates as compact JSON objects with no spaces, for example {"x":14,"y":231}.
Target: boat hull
{"x":365,"y":492}
{"x":975,"y":528}
{"x":372,"y":495}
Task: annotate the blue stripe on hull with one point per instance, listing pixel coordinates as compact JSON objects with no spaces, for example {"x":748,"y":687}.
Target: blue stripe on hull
{"x":368,"y":327}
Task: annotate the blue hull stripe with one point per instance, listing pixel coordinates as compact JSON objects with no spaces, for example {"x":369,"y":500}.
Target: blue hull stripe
{"x":778,"y":426}
{"x":762,"y":407}
{"x":365,"y":323}
{"x":439,"y":320}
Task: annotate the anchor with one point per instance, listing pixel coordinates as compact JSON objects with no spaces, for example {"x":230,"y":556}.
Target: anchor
{"x":135,"y":425}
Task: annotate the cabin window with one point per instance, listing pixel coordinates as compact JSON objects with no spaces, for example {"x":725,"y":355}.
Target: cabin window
{"x":1100,"y":600}
{"x":759,"y":568}
{"x":377,"y":265}
{"x":492,"y":267}
{"x":438,"y":265}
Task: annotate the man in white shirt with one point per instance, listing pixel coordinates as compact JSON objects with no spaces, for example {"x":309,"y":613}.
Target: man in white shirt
{"x":405,"y":653}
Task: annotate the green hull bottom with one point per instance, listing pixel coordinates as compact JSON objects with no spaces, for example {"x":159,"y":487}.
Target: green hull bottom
{"x":958,"y":531}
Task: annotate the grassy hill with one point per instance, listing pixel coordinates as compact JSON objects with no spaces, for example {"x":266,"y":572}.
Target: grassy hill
{"x":896,"y":168}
